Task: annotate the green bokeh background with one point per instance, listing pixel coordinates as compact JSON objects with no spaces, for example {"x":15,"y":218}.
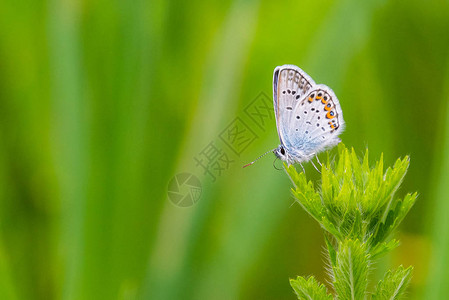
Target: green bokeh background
{"x":103,"y":102}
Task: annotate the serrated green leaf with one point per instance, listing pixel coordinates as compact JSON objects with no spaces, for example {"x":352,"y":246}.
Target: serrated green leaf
{"x":306,"y":195}
{"x":292,"y":173}
{"x":331,"y":228}
{"x":383,"y":248}
{"x":404,"y":207}
{"x":354,"y":200}
{"x":357,"y":230}
{"x":393,"y":285}
{"x":357,"y":169}
{"x":308,"y":289}
{"x":365,"y":168}
{"x":392,"y":180}
{"x":356,"y":205}
{"x":394,"y":218}
{"x":326,"y":185}
{"x":340,"y":167}
{"x":384,"y":228}
{"x":331,"y":250}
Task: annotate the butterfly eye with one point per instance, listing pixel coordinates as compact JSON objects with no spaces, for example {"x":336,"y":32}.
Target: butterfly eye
{"x":282,"y":151}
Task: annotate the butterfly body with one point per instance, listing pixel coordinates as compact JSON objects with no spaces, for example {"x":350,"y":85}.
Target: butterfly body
{"x":308,"y":115}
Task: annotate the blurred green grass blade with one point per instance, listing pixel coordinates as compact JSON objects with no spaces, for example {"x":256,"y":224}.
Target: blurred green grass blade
{"x":7,"y":285}
{"x":346,"y":39}
{"x":133,"y":216}
{"x":106,"y":144}
{"x":71,"y":132}
{"x":27,"y":191}
{"x":8,"y":282}
{"x":437,"y":287}
{"x":219,"y":90}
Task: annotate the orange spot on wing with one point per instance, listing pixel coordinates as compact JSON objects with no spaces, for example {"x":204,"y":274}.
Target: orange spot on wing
{"x":329,"y":116}
{"x":310,"y":99}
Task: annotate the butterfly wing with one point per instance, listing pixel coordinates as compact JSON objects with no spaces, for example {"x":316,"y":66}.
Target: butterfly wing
{"x":316,"y":122}
{"x":290,"y":84}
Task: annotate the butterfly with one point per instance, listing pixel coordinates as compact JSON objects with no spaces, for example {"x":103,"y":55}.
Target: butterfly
{"x":309,"y":118}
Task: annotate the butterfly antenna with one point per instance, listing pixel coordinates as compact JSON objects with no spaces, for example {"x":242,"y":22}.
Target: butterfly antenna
{"x":247,"y":165}
{"x":318,"y":160}
{"x":303,"y":170}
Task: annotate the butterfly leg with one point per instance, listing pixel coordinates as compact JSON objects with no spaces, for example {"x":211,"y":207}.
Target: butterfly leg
{"x":274,"y":164}
{"x":315,"y":167}
{"x":304,"y":171}
{"x":317,"y":159}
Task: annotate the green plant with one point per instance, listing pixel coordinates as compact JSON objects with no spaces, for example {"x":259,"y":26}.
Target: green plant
{"x":357,"y":208}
